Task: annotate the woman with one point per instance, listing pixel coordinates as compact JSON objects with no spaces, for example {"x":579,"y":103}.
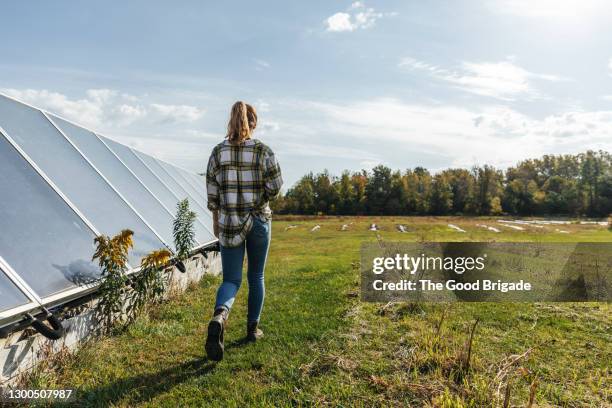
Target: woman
{"x":241,"y":178}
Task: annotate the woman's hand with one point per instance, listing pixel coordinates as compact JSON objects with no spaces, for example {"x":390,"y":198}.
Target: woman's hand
{"x":216,"y":223}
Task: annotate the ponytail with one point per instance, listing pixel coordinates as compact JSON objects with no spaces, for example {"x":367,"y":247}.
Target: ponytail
{"x":239,"y":128}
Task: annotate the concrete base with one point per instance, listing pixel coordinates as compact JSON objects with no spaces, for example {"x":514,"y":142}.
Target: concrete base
{"x":23,"y":350}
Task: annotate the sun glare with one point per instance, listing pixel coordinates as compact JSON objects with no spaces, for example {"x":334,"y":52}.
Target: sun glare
{"x":566,"y":10}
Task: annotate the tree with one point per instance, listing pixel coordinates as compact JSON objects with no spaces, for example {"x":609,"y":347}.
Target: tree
{"x":378,"y":189}
{"x":563,"y":184}
{"x":589,"y":175}
{"x":488,"y":185}
{"x":346,"y":194}
{"x":462,"y":185}
{"x":561,"y":196}
{"x":360,"y":182}
{"x":423,"y":189}
{"x":397,"y":195}
{"x":325,"y":195}
{"x":301,"y":198}
{"x":441,"y":198}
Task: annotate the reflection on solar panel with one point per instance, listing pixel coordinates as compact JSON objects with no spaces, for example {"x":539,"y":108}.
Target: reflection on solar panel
{"x":61,"y":185}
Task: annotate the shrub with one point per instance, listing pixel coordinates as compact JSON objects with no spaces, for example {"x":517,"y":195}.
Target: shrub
{"x":148,"y":285}
{"x":112,"y":256}
{"x":183,"y":230}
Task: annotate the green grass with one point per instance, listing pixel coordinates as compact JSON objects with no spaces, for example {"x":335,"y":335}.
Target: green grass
{"x":322,"y":346}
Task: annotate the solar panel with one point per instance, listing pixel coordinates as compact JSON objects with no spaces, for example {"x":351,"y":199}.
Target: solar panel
{"x":126,"y":183}
{"x":41,"y":237}
{"x":175,"y":173}
{"x":80,"y":182}
{"x":10,"y":295}
{"x":62,"y":185}
{"x":133,"y":162}
{"x":197,"y":182}
{"x":203,"y":214}
{"x":146,"y":176}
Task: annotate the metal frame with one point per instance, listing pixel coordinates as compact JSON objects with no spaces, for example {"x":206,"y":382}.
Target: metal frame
{"x":18,"y":281}
{"x":14,"y":314}
{"x":68,"y":294}
{"x":33,"y":299}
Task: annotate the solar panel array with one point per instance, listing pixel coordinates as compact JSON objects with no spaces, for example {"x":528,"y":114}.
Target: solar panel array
{"x":61,"y":185}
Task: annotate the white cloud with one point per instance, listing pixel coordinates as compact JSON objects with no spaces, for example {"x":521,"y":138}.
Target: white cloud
{"x":102,"y":96}
{"x":177,"y":113}
{"x":262,"y":106}
{"x":357,"y":17}
{"x":340,"y":22}
{"x":610,"y":65}
{"x":261,"y":65}
{"x":502,"y":80}
{"x":131,"y":111}
{"x":268,"y":126}
{"x":313,"y":150}
{"x":104,"y":109}
{"x":495,"y":135}
{"x":367,"y":18}
{"x":87,"y":111}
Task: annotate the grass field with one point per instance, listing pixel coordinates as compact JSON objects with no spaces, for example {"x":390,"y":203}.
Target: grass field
{"x":323,"y":346}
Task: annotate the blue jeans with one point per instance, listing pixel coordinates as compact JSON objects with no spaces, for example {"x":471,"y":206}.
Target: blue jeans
{"x":257,"y":243}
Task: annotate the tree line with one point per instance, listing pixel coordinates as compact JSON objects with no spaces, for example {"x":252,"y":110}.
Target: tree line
{"x":575,"y":185}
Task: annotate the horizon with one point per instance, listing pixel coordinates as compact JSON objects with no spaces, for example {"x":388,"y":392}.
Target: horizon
{"x":345,"y":85}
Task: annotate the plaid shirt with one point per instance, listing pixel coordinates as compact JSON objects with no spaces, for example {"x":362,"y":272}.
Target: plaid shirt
{"x":240,"y":181}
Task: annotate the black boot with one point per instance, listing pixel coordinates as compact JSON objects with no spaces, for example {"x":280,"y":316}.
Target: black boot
{"x":253,"y":332}
{"x":216,"y":328}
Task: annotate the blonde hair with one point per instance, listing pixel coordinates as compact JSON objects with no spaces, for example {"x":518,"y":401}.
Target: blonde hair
{"x":242,"y":122}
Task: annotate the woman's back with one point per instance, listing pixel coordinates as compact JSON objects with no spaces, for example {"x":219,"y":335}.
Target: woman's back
{"x":241,"y":179}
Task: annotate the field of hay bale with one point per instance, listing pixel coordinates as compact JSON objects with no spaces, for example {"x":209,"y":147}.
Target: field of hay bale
{"x":454,"y":228}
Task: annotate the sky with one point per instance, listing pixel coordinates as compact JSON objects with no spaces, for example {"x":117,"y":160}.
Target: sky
{"x":337,"y":84}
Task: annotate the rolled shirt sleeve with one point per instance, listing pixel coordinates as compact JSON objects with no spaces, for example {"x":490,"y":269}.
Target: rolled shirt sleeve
{"x":273,"y":180}
{"x":212,"y":185}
